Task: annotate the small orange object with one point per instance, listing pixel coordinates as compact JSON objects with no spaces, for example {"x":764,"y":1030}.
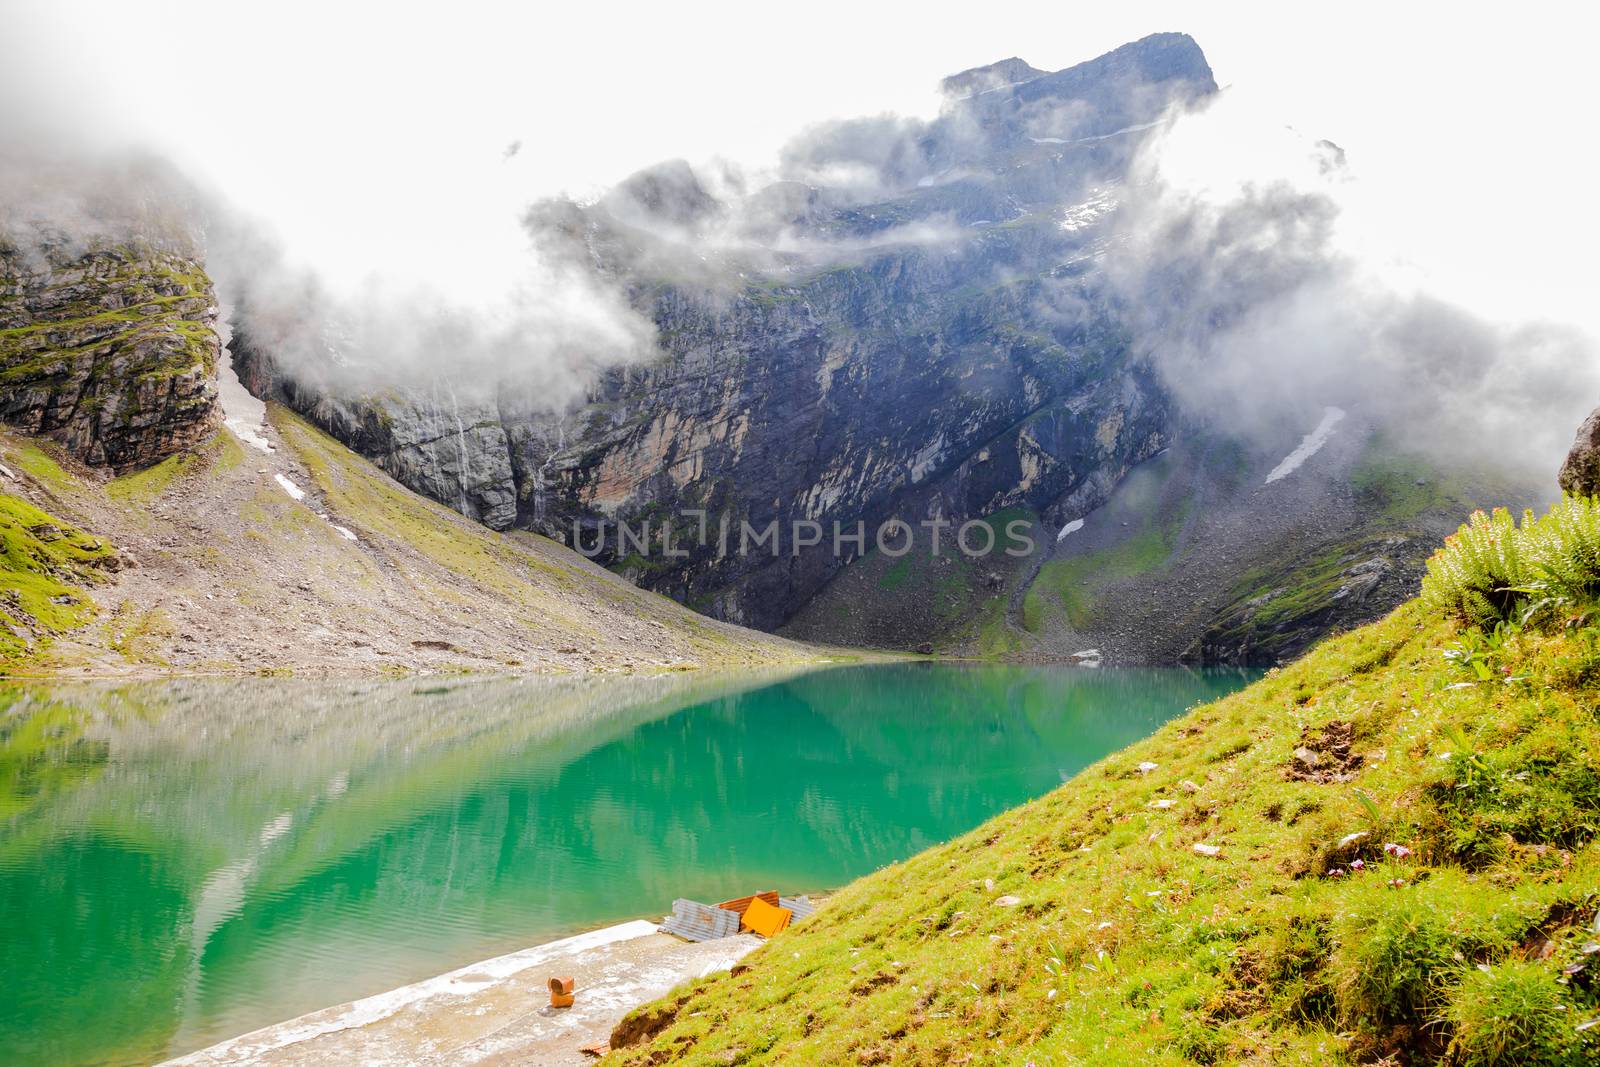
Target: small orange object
{"x":764,"y":919}
{"x":561,"y":992}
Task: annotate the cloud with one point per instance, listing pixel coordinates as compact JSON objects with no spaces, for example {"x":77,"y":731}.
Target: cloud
{"x":1256,"y":271}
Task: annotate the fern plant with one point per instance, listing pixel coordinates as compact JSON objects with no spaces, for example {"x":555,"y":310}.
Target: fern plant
{"x":1493,"y":571}
{"x":1477,"y":572}
{"x":1564,"y":548}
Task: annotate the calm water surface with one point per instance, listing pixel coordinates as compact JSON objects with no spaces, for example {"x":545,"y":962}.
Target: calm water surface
{"x":181,"y":862}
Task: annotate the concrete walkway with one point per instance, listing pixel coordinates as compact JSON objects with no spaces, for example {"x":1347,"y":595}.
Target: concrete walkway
{"x":494,"y":1012}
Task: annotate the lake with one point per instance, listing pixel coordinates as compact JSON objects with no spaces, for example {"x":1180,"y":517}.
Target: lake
{"x":184,"y":861}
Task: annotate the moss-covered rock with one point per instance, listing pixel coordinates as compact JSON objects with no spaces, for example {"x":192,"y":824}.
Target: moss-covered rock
{"x":110,"y":351}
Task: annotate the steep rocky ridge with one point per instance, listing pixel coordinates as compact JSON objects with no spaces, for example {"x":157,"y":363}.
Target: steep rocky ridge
{"x":1193,"y":557}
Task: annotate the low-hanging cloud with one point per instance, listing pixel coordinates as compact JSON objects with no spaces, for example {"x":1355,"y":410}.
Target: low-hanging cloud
{"x":1255,"y":272}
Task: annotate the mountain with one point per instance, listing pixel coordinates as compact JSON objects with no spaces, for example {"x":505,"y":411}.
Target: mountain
{"x":917,"y":323}
{"x":924,"y":360}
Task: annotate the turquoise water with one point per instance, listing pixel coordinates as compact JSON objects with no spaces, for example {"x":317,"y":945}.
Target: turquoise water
{"x":181,"y":862}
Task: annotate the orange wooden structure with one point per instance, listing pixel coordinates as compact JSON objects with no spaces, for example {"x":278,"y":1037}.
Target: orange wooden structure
{"x":765,"y":919}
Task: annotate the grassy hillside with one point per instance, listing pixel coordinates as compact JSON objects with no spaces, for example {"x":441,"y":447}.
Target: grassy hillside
{"x":1382,"y":853}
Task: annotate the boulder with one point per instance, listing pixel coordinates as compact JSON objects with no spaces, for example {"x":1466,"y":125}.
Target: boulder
{"x":1580,"y":474}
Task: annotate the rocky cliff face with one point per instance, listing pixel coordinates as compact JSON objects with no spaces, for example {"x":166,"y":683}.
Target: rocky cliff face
{"x":937,"y":347}
{"x":451,"y":448}
{"x":111,"y":351}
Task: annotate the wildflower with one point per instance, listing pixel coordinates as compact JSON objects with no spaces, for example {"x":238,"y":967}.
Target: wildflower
{"x":1399,"y":852}
{"x":1337,"y":872}
{"x":1358,"y":865}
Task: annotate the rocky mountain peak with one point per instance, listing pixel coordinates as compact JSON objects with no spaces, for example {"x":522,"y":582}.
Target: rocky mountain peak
{"x":995,"y":75}
{"x":668,"y":192}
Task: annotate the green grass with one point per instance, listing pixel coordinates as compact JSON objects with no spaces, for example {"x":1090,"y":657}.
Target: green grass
{"x":546,"y":587}
{"x":145,"y":486}
{"x":1069,"y":587}
{"x":1303,"y":939}
{"x":1395,"y":488}
{"x":1267,"y":597}
{"x":39,"y":463}
{"x":45,"y":564}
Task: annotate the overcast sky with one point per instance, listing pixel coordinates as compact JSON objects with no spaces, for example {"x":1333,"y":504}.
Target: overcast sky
{"x":335,"y":120}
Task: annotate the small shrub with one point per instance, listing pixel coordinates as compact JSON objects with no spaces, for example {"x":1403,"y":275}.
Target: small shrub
{"x":1565,"y":549}
{"x":1514,"y":1013}
{"x":1491,"y":570}
{"x":1540,"y":786}
{"x":1474,"y":574}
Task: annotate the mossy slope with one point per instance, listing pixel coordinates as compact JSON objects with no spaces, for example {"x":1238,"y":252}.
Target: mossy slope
{"x":1096,"y":924}
{"x":45,"y":565}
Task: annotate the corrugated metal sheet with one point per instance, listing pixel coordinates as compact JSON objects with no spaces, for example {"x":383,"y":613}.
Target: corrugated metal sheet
{"x":694,"y":921}
{"x":801,"y":906}
{"x":741,"y":903}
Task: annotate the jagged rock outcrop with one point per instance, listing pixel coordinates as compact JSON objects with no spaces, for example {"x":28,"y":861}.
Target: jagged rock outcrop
{"x":988,"y":78}
{"x":110,"y":351}
{"x":1580,"y":474}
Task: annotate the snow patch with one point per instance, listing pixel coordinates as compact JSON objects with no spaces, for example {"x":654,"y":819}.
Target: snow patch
{"x":1072,"y":527}
{"x":1081,"y":216}
{"x":248,"y":435}
{"x":7,"y":472}
{"x":344,"y":533}
{"x":1309,"y":445}
{"x":289,"y":487}
{"x":242,"y":413}
{"x":1096,"y":137}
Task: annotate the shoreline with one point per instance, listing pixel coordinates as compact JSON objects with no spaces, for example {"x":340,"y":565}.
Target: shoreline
{"x":317,"y":673}
{"x":493,"y":1011}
